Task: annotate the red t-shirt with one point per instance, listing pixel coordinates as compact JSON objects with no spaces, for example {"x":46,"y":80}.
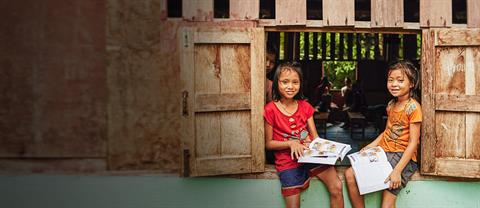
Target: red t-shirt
{"x":285,"y":128}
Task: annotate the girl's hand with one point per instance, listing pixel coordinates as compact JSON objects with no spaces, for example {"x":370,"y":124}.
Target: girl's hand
{"x":296,"y":149}
{"x":307,"y":141}
{"x":395,"y":179}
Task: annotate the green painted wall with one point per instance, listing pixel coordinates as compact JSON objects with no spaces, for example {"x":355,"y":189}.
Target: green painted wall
{"x":54,"y":191}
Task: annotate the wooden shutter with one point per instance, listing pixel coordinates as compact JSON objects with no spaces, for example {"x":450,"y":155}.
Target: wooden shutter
{"x":451,"y":102}
{"x":222,"y":79}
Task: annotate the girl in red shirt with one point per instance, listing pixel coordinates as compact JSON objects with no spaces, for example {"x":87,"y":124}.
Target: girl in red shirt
{"x":289,"y":127}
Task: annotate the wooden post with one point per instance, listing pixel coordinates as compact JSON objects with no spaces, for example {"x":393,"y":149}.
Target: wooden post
{"x":332,"y":46}
{"x":377,"y":46}
{"x":296,"y":46}
{"x":289,"y":43}
{"x":359,"y":46}
{"x":163,"y":10}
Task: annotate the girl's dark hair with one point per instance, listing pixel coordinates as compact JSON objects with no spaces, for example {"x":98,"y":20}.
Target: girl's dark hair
{"x":412,"y":73}
{"x":287,"y":66}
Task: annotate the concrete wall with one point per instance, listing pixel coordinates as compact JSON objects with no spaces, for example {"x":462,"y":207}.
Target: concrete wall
{"x":164,"y":191}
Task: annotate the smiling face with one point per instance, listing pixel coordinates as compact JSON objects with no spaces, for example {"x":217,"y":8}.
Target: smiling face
{"x":398,"y":84}
{"x":288,"y":83}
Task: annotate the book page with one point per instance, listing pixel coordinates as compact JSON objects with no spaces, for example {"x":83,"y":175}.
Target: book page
{"x":371,"y":168}
{"x":324,"y":151}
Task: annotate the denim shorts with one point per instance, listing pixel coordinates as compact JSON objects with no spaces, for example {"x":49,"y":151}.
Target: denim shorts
{"x":407,"y":172}
{"x":297,"y":179}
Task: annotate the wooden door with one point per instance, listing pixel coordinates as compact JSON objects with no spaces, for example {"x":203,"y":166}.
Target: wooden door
{"x":222,"y":79}
{"x":451,"y":102}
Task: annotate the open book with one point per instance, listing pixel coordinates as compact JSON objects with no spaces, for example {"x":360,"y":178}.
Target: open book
{"x":324,"y":151}
{"x":371,"y":168}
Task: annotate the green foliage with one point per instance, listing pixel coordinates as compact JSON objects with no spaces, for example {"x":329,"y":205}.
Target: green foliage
{"x":336,"y":71}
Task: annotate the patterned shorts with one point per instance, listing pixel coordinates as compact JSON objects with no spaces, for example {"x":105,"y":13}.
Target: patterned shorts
{"x":297,"y":179}
{"x":407,"y":172}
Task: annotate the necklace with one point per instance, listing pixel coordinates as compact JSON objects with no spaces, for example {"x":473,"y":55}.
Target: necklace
{"x":285,"y":108}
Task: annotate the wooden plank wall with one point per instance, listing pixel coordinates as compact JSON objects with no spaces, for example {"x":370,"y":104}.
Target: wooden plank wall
{"x":435,"y":13}
{"x":473,"y":16}
{"x":198,"y":10}
{"x":387,"y":13}
{"x":338,"y":12}
{"x":244,"y":9}
{"x":291,"y":12}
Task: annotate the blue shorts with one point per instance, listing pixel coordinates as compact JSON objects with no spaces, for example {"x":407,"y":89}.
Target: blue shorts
{"x":407,"y":172}
{"x":298,"y":179}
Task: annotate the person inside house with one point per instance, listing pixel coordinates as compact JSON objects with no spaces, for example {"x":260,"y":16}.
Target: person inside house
{"x":271,"y":60}
{"x":347,"y":93}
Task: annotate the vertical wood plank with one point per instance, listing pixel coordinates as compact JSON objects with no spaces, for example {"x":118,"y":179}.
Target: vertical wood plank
{"x":235,"y":68}
{"x":350,"y":46}
{"x":306,"y":45}
{"x":257,"y":57}
{"x":236,"y":138}
{"x":244,"y":9}
{"x":289,"y":43}
{"x":296,"y":46}
{"x":208,"y":134}
{"x":387,"y":13}
{"x":450,"y":70}
{"x":435,"y":13}
{"x":450,"y":132}
{"x":472,"y":120}
{"x":208,"y":68}
{"x":473,"y":16}
{"x":341,"y":47}
{"x":315,"y":46}
{"x":359,"y":46}
{"x":338,"y":12}
{"x":197,"y":10}
{"x":324,"y":46}
{"x":377,"y":46}
{"x":332,"y":46}
{"x":291,"y":12}
{"x":428,"y":105}
{"x":368,"y":45}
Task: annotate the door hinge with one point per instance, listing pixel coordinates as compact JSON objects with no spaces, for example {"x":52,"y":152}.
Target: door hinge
{"x":185,"y":103}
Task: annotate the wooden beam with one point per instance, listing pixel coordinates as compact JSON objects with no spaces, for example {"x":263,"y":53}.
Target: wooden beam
{"x":290,"y":12}
{"x":387,"y":13}
{"x":464,"y":103}
{"x":244,"y":9}
{"x":435,"y":13}
{"x":473,"y":16}
{"x":197,"y":10}
{"x":456,"y":37}
{"x":338,"y":12}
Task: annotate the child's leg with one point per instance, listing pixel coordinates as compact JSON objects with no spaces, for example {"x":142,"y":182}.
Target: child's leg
{"x":388,"y":199}
{"x":292,"y":201}
{"x":334,"y":186}
{"x":355,"y":198}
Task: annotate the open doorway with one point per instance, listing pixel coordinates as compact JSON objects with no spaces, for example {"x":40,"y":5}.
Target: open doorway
{"x":359,"y":116}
